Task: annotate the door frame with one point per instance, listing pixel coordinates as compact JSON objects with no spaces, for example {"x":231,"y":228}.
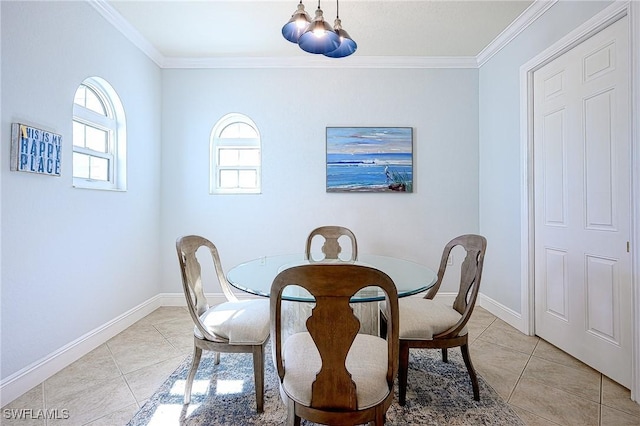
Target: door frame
{"x":594,"y":25}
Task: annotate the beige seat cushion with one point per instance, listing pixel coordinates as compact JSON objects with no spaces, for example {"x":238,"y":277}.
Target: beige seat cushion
{"x":421,"y":318}
{"x":367,"y":362}
{"x":242,"y":322}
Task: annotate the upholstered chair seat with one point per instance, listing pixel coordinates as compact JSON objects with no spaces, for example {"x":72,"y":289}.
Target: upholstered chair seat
{"x":232,"y":326}
{"x":430,"y":324}
{"x":367,"y":362}
{"x":243,"y":322}
{"x":330,"y":374}
{"x":421,"y":319}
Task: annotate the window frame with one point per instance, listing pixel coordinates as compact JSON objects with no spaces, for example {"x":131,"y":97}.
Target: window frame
{"x":113,"y":124}
{"x":218,"y":144}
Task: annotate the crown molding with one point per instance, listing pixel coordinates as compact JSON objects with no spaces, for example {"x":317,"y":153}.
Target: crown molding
{"x":323,"y":62}
{"x":526,"y":18}
{"x":533,"y":12}
{"x":114,"y":18}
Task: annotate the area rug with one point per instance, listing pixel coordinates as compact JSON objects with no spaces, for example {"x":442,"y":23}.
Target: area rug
{"x":438,"y":394}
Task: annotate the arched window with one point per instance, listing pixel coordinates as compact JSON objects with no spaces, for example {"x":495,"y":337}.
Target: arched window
{"x":235,"y":156}
{"x":99,"y":137}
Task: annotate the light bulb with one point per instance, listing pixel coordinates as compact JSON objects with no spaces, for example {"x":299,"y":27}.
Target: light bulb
{"x":301,"y":23}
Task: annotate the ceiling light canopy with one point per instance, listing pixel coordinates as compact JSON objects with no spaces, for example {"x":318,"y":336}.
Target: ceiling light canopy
{"x":317,"y":36}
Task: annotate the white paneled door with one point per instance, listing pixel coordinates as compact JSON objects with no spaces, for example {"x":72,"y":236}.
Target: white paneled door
{"x":582,"y":167}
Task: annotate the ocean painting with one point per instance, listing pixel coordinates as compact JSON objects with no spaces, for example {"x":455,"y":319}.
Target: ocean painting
{"x":369,"y":159}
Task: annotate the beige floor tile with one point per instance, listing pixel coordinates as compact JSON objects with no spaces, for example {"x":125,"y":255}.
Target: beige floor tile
{"x":531,"y":419}
{"x":501,"y":333}
{"x":175,"y":328}
{"x":618,"y":397}
{"x":481,"y":316}
{"x":136,"y":333}
{"x":179,"y":333}
{"x":499,"y":366}
{"x":118,"y":417}
{"x":554,"y":405}
{"x":166,"y":314}
{"x":144,"y":354}
{"x":613,"y":417}
{"x":92,"y":403}
{"x":580,"y":382}
{"x":184,"y":344}
{"x":549,"y":352}
{"x":145,"y":381}
{"x":98,"y":365}
{"x":475,"y":330}
{"x":26,"y":410}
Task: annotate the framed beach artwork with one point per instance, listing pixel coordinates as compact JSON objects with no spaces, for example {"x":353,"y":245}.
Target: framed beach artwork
{"x":369,"y":159}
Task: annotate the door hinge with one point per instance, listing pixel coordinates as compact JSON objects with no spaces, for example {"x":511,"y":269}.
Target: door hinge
{"x":628,"y":247}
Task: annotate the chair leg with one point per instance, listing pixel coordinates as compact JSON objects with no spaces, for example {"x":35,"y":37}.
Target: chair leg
{"x":403,"y":371}
{"x":379,"y":418}
{"x":292,"y":419}
{"x":472,"y":373}
{"x":216,"y":358}
{"x":258,"y":376}
{"x":445,"y":357}
{"x":197,"y":353}
{"x":383,"y":326}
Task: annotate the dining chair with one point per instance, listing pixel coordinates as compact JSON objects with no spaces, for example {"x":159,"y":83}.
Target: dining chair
{"x":331,"y":247}
{"x":431,"y":324}
{"x":330,"y":374}
{"x":233,"y":326}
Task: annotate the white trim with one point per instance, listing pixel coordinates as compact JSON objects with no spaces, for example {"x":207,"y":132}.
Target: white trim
{"x":322,"y":62}
{"x":526,"y":18}
{"x":308,"y":61}
{"x":535,"y":10}
{"x":634,"y":36}
{"x":506,"y":314}
{"x":25,"y":379}
{"x":22,"y":381}
{"x":600,"y":21}
{"x":115,"y":18}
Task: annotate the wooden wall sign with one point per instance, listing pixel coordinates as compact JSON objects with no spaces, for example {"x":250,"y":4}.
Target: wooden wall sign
{"x":35,"y":150}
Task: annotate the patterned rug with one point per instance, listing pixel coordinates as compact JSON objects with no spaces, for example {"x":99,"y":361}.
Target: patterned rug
{"x":223,"y":394}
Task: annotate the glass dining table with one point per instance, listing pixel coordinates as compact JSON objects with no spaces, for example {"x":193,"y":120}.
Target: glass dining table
{"x":255,"y":277}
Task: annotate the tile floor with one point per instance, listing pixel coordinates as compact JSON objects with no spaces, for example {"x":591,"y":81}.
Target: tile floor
{"x":542,"y":384}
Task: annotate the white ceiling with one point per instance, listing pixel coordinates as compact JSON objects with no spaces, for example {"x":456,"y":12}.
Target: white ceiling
{"x":251,"y":28}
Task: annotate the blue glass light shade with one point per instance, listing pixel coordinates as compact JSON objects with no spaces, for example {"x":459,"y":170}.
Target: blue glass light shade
{"x":297,"y":25}
{"x":347,"y":45}
{"x":319,"y":37}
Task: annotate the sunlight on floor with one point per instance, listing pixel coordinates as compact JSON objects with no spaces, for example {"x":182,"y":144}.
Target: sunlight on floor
{"x":169,"y":414}
{"x":225,"y":387}
{"x":200,"y":387}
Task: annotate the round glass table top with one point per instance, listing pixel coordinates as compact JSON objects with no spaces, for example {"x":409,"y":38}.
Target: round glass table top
{"x":256,"y":276}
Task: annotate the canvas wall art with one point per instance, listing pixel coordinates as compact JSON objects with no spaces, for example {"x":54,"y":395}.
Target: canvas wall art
{"x":35,"y":150}
{"x":370,"y":159}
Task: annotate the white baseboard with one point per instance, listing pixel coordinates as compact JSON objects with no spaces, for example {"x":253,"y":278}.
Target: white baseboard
{"x":507,"y":315}
{"x":24,"y":380}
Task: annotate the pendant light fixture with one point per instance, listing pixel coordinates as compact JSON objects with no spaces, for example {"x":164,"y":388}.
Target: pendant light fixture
{"x":317,"y":36}
{"x":347,"y":45}
{"x":298,"y":24}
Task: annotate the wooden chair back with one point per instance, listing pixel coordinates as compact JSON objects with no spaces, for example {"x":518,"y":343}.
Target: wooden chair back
{"x":331,"y":246}
{"x":191,"y":271}
{"x":333,"y":326}
{"x":470,"y":276}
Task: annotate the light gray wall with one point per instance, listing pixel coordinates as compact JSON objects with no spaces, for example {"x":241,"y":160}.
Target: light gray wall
{"x":292,"y":108}
{"x":500,"y":161}
{"x":73,"y":259}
